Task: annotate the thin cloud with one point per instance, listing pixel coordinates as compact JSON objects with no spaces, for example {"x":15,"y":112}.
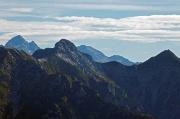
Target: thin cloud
{"x":19,"y":9}
{"x":107,"y":7}
{"x":63,"y":7}
{"x":141,"y":29}
{"x":139,"y":22}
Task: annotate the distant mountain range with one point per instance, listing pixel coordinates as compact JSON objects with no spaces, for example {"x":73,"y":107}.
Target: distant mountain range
{"x":20,"y":43}
{"x":63,"y":83}
{"x":100,"y":57}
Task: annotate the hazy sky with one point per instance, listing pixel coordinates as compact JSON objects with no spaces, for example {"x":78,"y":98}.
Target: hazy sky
{"x":135,"y":29}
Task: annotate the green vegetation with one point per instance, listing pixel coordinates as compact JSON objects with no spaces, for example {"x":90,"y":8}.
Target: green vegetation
{"x":4,"y":96}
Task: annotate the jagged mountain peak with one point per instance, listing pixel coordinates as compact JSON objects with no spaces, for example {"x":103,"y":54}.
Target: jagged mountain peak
{"x":18,"y":36}
{"x":63,"y":48}
{"x":17,"y":40}
{"x":20,"y":43}
{"x":167,"y":53}
{"x":33,"y":46}
{"x":65,"y":45}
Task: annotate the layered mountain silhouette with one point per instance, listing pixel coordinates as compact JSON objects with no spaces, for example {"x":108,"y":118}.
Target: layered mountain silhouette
{"x":65,"y":57}
{"x":20,"y":43}
{"x":62,"y":82}
{"x":100,"y":57}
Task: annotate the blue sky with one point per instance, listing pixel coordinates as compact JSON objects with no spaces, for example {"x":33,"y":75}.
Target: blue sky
{"x":136,"y":30}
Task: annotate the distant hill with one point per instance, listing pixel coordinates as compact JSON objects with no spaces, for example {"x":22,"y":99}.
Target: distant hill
{"x":100,"y":57}
{"x":20,"y":43}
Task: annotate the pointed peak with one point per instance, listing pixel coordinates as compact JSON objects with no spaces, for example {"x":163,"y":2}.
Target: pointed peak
{"x":15,"y":41}
{"x":166,"y":54}
{"x":33,"y":46}
{"x":165,"y":57}
{"x":18,"y":38}
{"x":65,"y":45}
{"x":32,"y":43}
{"x":63,"y":41}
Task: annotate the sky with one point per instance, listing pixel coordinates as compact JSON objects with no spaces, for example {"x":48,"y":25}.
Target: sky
{"x":134,"y":29}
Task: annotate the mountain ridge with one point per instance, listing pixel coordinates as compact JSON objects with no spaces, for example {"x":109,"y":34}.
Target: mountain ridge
{"x":35,"y":92}
{"x":89,"y":68}
{"x":150,"y":82}
{"x":62,"y":82}
{"x":165,"y":57}
{"x":100,"y":57}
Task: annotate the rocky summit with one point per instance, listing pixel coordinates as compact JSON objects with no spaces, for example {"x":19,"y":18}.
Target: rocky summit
{"x":20,"y":43}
